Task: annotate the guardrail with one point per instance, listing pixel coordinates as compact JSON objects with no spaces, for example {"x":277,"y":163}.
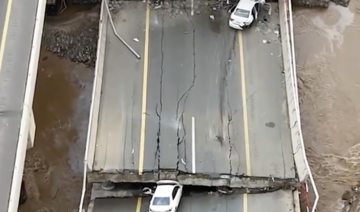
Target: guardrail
{"x":308,"y":193}
{"x":27,"y":127}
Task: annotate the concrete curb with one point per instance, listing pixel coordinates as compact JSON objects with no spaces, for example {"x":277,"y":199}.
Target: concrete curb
{"x":293,"y":108}
{"x":27,"y":127}
{"x":98,"y":76}
{"x":95,"y":104}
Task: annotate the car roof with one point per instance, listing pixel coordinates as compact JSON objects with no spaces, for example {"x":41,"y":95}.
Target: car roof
{"x":163,"y":190}
{"x":246,"y":4}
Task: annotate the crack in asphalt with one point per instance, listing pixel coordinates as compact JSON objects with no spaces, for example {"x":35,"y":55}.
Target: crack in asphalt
{"x":283,"y":155}
{"x":126,"y":130}
{"x":124,"y":145}
{"x":132,"y":123}
{"x":230,"y":112}
{"x":230,"y":115}
{"x":224,"y":99}
{"x":158,"y":113}
{"x":184,"y":98}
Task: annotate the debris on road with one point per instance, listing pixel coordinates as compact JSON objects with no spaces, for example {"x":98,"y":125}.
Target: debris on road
{"x":266,"y":41}
{"x":115,"y":5}
{"x":225,"y":190}
{"x":277,"y":33}
{"x":108,"y":186}
{"x":183,"y":162}
{"x":136,"y":40}
{"x":263,"y":27}
{"x":212,"y":17}
{"x":148,"y":191}
{"x":117,"y":35}
{"x":156,"y":7}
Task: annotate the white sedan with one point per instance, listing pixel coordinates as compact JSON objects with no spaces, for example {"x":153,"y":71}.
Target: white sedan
{"x":166,"y":197}
{"x":244,"y":13}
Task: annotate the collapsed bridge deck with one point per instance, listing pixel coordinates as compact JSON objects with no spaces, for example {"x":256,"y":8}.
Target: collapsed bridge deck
{"x":204,"y":100}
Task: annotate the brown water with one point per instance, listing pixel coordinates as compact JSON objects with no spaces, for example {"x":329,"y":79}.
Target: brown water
{"x":54,"y":167}
{"x":328,"y":59}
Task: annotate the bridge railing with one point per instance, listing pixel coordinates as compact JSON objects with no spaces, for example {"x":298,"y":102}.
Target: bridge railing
{"x":308,"y":194}
{"x":27,"y":127}
{"x":95,"y":104}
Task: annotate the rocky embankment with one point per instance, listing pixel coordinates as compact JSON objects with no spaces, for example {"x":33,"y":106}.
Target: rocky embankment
{"x":320,"y":3}
{"x":306,"y":3}
{"x":75,"y":37}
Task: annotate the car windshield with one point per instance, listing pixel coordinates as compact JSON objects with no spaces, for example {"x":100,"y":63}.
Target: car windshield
{"x":242,"y":13}
{"x":161,"y":201}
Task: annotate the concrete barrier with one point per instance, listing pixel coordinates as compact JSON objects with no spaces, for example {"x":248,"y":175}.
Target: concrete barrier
{"x":288,"y":50}
{"x":98,"y":78}
{"x":293,"y":108}
{"x":96,"y":93}
{"x":27,"y":127}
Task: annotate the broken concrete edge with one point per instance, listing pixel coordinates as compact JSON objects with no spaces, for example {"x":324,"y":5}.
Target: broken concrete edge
{"x":213,"y":5}
{"x":98,"y":192}
{"x":216,"y":180}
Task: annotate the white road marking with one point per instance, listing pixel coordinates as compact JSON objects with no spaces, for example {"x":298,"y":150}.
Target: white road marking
{"x":193,"y":144}
{"x":4,"y":31}
{"x":192,"y":7}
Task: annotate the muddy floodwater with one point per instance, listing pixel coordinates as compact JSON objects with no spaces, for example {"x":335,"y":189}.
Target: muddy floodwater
{"x":327,"y":47}
{"x":54,"y":167}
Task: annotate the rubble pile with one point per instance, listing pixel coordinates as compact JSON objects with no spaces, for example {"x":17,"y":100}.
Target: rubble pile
{"x":85,"y":1}
{"x":305,"y":3}
{"x":79,"y":44}
{"x":115,"y":6}
{"x":344,"y":3}
{"x":320,"y":3}
{"x":311,"y":3}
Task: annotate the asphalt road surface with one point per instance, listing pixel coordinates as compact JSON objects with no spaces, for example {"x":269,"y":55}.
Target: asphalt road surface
{"x":16,"y":40}
{"x":280,"y":201}
{"x":3,"y":8}
{"x":213,"y":99}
